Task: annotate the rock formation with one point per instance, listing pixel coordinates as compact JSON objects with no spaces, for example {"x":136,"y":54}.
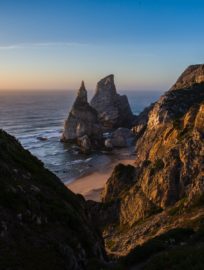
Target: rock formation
{"x":113,"y":109}
{"x":107,"y":112}
{"x":170,"y":148}
{"x":121,"y":137}
{"x":151,"y":215}
{"x":43,"y":225}
{"x":82,"y":119}
{"x":169,"y":166}
{"x":192,"y":75}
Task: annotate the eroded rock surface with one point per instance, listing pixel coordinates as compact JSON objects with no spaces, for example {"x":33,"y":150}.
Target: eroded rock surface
{"x":192,"y":75}
{"x":169,"y":164}
{"x":113,"y":109}
{"x":82,"y":119}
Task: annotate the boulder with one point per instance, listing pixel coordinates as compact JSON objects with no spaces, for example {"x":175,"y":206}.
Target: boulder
{"x":121,"y":137}
{"x":113,"y":109}
{"x":85,"y":144}
{"x":108,"y":143}
{"x":82,"y":119}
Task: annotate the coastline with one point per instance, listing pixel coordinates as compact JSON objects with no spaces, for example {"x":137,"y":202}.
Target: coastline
{"x":91,"y":185}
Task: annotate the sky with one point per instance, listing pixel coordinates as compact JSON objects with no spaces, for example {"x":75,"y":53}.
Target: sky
{"x":54,"y":44}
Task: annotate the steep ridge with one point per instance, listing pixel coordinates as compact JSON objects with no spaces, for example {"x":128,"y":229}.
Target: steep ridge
{"x":168,"y":176}
{"x":43,"y":225}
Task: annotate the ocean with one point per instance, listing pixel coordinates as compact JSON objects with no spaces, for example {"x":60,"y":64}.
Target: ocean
{"x":31,"y":115}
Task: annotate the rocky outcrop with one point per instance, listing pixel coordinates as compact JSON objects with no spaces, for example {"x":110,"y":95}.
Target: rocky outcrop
{"x":113,"y":109}
{"x":82,"y":119}
{"x":43,"y":225}
{"x":121,"y":178}
{"x":169,"y":151}
{"x":121,"y":137}
{"x":169,"y":168}
{"x":108,"y":111}
{"x":192,"y":75}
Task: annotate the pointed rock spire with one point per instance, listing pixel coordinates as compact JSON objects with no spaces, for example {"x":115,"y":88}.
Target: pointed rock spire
{"x":113,"y":110}
{"x":82,"y":85}
{"x":82,"y":94}
{"x":82,"y":119}
{"x":106,"y":85}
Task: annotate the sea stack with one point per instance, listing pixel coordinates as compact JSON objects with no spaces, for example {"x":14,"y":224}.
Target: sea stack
{"x":82,"y":120}
{"x":113,"y":109}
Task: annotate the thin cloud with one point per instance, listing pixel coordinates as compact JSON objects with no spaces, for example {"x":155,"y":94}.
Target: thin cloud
{"x":41,"y":45}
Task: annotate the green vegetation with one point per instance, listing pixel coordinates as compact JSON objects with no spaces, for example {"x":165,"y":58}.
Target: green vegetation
{"x":156,"y":245}
{"x":188,"y":257}
{"x":43,"y":224}
{"x":198,"y":200}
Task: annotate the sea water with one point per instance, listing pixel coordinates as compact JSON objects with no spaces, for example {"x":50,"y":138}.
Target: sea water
{"x":36,"y":119}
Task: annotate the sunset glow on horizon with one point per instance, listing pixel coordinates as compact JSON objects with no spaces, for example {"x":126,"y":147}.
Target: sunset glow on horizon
{"x":51,"y":45}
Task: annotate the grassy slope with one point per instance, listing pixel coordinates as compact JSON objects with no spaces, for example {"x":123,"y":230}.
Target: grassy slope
{"x":42,"y":224}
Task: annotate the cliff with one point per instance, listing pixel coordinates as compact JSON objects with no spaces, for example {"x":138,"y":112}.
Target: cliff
{"x":164,"y":190}
{"x":151,"y":215}
{"x":43,"y":225}
{"x":113,"y":109}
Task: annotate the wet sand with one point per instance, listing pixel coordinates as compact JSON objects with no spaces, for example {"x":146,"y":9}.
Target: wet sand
{"x":91,"y":185}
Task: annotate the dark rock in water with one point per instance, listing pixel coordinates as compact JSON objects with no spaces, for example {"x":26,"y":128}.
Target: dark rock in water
{"x":43,"y":225}
{"x":42,"y":138}
{"x":113,"y":109}
{"x":82,"y":119}
{"x":86,"y":124}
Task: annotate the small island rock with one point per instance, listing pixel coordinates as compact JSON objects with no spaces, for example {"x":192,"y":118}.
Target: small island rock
{"x":82,"y":119}
{"x":113,"y":109}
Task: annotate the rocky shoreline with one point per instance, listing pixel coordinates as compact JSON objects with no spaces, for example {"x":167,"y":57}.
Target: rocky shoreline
{"x":92,"y":182}
{"x":152,"y":212}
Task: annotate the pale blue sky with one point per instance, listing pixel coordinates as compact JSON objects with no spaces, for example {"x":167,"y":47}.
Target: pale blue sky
{"x":54,"y":44}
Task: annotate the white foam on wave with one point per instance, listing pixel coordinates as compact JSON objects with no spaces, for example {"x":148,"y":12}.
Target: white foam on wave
{"x":78,"y":161}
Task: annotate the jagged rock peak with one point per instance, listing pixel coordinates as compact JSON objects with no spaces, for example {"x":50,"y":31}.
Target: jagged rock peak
{"x":82,"y":119}
{"x":106,"y":84}
{"x":113,"y":109}
{"x":82,"y":94}
{"x":194,"y":74}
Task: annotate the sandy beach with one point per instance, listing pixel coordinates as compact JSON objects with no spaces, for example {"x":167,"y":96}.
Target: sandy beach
{"x":91,"y":185}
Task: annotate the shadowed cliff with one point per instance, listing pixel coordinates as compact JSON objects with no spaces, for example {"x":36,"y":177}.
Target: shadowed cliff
{"x":43,"y":225}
